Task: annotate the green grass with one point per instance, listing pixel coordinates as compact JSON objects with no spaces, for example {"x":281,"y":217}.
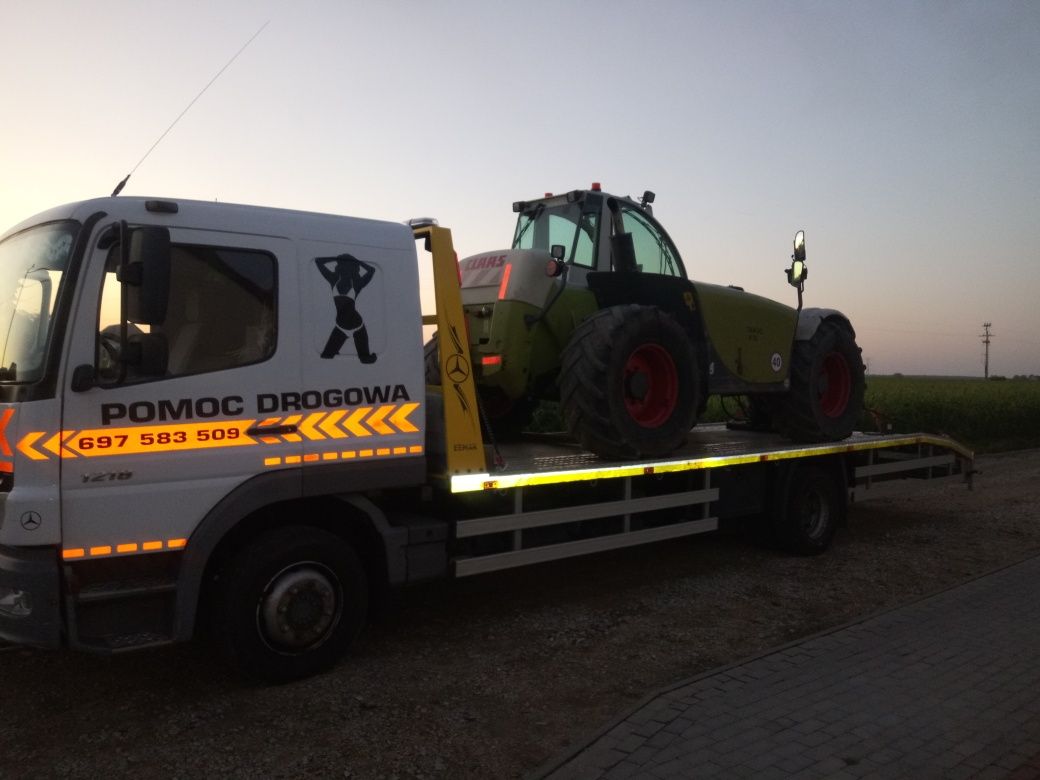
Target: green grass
{"x":987,"y":416}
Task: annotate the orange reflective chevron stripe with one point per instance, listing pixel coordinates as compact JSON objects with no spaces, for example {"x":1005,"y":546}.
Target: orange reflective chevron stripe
{"x":353,"y":423}
{"x":329,"y":427}
{"x":5,"y":446}
{"x":55,"y":442}
{"x":364,"y":422}
{"x":25,"y":446}
{"x":400,"y":418}
{"x":375,"y":422}
{"x":307,"y":426}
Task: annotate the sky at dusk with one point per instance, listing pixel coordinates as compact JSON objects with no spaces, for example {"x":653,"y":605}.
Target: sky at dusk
{"x":904,"y":138}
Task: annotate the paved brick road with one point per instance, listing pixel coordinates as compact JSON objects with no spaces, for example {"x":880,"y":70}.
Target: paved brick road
{"x":947,"y":687}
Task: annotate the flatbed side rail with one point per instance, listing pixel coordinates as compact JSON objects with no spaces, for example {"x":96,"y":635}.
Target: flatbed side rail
{"x":626,"y":521}
{"x":943,"y":452}
{"x":551,"y":520}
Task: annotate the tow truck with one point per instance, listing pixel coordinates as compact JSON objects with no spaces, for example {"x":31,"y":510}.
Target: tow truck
{"x":216,"y":412}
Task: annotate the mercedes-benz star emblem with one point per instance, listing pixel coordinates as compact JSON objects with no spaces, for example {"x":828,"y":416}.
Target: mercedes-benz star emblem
{"x":31,"y":520}
{"x":457,"y":368}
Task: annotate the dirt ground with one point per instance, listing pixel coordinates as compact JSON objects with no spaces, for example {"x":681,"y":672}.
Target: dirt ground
{"x":494,"y":675}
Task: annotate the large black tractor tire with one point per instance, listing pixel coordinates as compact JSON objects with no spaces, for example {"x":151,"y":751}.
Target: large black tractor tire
{"x":827,"y":385}
{"x":808,"y":506}
{"x":289,"y":603}
{"x":629,"y":386}
{"x":507,"y":417}
{"x":432,"y":361}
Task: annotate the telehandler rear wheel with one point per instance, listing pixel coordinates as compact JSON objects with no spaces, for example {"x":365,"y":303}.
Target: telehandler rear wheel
{"x":628,"y":383}
{"x":827,"y":386}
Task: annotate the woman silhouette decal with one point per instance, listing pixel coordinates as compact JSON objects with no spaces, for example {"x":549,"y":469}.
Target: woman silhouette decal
{"x":348,"y":277}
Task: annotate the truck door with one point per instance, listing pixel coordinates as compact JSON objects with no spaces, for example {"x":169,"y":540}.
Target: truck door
{"x":146,"y":452}
{"x":361,"y":405}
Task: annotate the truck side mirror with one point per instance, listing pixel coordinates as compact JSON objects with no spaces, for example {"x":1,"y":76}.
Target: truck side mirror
{"x":799,"y":245}
{"x":145,"y":274}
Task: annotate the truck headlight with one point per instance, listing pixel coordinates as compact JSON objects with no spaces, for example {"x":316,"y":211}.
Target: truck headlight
{"x":15,"y":603}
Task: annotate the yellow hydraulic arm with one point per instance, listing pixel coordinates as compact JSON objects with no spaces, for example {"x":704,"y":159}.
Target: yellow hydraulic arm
{"x":464,"y":445}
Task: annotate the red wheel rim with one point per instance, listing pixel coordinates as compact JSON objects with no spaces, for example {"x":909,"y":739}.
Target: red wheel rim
{"x":650,"y":385}
{"x":835,"y":385}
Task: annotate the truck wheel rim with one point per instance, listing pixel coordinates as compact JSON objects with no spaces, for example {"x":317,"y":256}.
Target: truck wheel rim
{"x":816,"y":515}
{"x":650,"y":385}
{"x":299,"y":607}
{"x":835,"y":385}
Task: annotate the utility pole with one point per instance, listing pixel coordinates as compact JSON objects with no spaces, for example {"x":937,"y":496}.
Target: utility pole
{"x":985,"y":340}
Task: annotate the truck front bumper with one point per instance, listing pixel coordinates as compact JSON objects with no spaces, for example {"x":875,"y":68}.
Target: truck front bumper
{"x":30,"y":599}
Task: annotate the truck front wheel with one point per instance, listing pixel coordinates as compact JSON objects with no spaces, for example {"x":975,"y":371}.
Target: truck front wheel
{"x":289,"y":603}
{"x":628,"y":383}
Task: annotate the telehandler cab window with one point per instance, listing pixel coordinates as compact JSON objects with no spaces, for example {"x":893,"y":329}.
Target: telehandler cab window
{"x":654,"y":251}
{"x":32,"y":264}
{"x":221,"y":312}
{"x":572,"y":225}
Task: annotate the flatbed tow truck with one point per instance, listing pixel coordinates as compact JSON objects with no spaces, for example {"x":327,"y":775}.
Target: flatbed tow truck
{"x":219,"y":413}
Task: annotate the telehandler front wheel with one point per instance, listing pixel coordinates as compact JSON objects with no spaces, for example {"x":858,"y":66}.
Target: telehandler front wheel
{"x":289,"y":603}
{"x":628,"y":383}
{"x":827,"y":386}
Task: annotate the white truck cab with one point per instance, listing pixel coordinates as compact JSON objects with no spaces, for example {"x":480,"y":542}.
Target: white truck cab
{"x":166,"y":367}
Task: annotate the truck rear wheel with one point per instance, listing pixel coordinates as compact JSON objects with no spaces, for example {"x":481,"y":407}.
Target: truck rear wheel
{"x":827,"y":386}
{"x":808,"y":507}
{"x":289,"y":603}
{"x":628,"y":383}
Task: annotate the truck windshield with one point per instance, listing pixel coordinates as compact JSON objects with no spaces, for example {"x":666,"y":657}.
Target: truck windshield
{"x":573,"y":225}
{"x":32,"y":264}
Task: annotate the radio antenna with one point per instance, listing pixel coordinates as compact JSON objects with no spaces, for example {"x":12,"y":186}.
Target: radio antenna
{"x":119,"y":187}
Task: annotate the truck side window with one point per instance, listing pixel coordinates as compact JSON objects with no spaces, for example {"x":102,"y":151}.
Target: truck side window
{"x":221,"y":312}
{"x":654,"y":252}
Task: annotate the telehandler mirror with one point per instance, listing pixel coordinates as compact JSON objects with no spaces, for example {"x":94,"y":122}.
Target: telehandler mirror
{"x":555,"y":267}
{"x":145,"y":274}
{"x":797,"y":273}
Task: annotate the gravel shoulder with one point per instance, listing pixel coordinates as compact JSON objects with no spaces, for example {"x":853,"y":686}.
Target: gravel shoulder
{"x":495,"y":675}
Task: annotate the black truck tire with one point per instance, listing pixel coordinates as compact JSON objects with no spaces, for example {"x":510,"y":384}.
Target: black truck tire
{"x":808,"y":506}
{"x":628,"y":383}
{"x":827,"y":385}
{"x":289,"y":603}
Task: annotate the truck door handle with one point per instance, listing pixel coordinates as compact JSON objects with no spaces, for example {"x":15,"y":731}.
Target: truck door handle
{"x":270,"y":430}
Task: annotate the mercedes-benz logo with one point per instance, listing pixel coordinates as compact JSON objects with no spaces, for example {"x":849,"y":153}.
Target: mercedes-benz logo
{"x":457,"y":368}
{"x":31,"y":520}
